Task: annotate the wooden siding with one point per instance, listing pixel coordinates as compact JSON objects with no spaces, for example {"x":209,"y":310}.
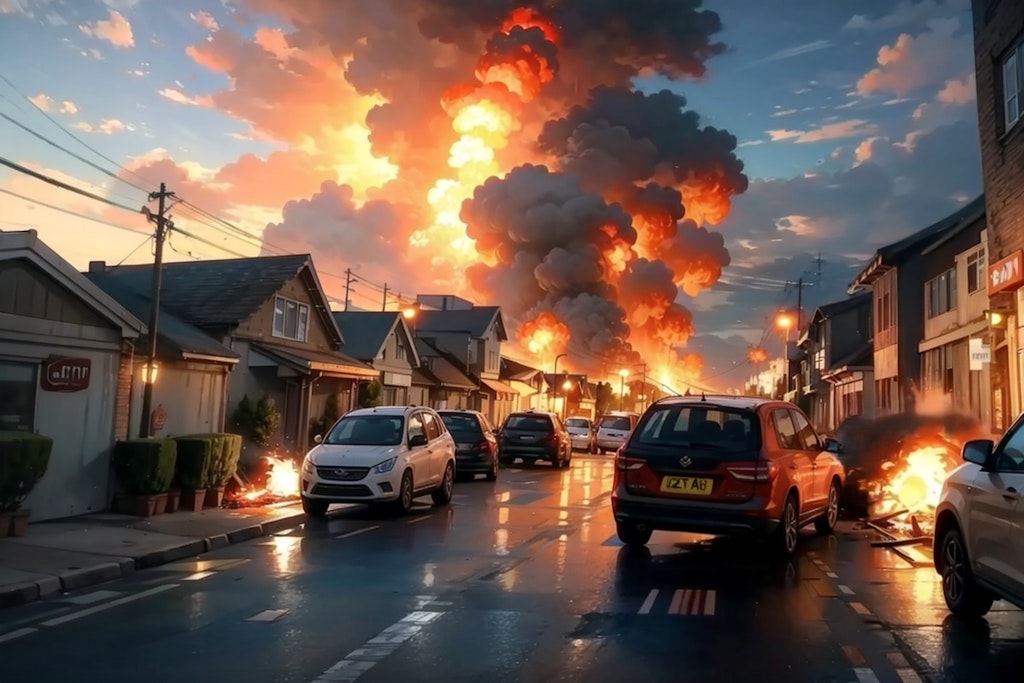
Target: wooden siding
{"x":260,"y":325}
{"x":27,"y":291}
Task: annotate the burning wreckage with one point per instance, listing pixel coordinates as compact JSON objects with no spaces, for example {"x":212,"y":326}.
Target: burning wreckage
{"x":896,"y":466}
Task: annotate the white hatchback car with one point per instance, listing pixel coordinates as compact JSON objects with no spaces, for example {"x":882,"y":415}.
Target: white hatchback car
{"x":380,"y":455}
{"x":979,"y":550}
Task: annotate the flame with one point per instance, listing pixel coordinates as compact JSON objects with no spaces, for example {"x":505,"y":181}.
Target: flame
{"x":527,"y":17}
{"x":282,"y":480}
{"x":913,"y":482}
{"x":545,"y":337}
{"x":757,"y":354}
{"x":706,"y":202}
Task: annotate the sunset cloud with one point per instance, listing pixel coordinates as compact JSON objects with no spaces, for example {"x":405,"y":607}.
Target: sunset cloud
{"x":116,"y":30}
{"x":912,"y":62}
{"x":104,"y":127}
{"x":205,"y":19}
{"x":830,"y":131}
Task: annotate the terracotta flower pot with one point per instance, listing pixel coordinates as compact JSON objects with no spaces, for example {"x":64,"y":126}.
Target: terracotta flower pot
{"x":144,"y":506}
{"x":19,"y":523}
{"x":192,"y":500}
{"x":214,"y":496}
{"x":160,"y":503}
{"x":173,"y":500}
{"x":6,"y":524}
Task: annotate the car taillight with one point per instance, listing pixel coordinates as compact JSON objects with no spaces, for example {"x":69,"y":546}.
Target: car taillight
{"x":625,"y":463}
{"x":759,"y":472}
{"x":484,"y":446}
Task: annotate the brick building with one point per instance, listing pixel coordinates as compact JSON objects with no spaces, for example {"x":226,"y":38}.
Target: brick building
{"x":999,"y":66}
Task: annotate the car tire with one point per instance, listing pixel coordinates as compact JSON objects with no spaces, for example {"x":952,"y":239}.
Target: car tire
{"x":826,"y":524}
{"x":315,"y":508}
{"x":788,"y":533}
{"x":492,"y":474}
{"x":964,"y":597}
{"x":406,"y":493}
{"x":443,"y":494}
{"x":632,"y":535}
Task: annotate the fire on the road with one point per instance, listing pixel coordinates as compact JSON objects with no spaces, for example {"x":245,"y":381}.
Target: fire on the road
{"x":912,"y":483}
{"x":280,"y":482}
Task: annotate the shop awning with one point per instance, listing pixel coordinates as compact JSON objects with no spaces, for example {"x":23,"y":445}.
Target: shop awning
{"x":307,"y":362}
{"x":498,"y":388}
{"x":524,"y":389}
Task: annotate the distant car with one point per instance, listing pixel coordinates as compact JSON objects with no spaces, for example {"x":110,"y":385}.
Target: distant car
{"x":582,"y":434}
{"x":613,"y":428}
{"x":386,"y":455}
{"x":535,"y":435}
{"x":725,"y":465}
{"x":978,"y":547}
{"x":476,"y":446}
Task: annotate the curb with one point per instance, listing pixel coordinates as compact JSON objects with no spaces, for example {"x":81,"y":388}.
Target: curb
{"x":117,"y":568}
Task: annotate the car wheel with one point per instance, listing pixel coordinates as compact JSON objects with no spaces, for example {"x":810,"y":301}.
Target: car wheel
{"x":964,"y":597}
{"x":443,"y":494}
{"x":633,"y":534}
{"x":826,"y":524}
{"x":405,"y":494}
{"x":492,"y":474}
{"x":789,"y":528}
{"x":315,"y":508}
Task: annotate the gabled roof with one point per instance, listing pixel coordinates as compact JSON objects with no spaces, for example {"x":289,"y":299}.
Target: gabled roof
{"x":443,"y":367}
{"x":892,"y":255}
{"x":512,"y":369}
{"x":222,"y":293}
{"x":25,"y":244}
{"x":366,"y":333}
{"x":175,"y":339}
{"x":839,"y":307}
{"x":475,"y":322}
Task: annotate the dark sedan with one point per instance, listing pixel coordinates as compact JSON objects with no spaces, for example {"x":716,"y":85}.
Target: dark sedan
{"x":476,"y":446}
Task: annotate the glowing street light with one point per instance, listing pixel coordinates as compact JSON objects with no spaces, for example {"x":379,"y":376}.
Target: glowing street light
{"x":566,"y":386}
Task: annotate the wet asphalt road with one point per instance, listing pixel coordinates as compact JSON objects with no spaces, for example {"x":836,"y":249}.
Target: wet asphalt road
{"x":522,"y":580}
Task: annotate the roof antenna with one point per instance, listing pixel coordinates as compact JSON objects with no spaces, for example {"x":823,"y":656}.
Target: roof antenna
{"x":703,"y":397}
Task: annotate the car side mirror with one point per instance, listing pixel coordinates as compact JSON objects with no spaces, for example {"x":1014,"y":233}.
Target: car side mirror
{"x":317,"y":438}
{"x":417,"y":440}
{"x":979,"y":452}
{"x":833,"y":446}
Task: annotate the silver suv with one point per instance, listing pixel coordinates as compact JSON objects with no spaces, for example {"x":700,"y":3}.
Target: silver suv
{"x":979,"y":550}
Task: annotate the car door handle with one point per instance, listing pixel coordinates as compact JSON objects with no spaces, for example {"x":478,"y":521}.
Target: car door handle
{"x":1011,"y":494}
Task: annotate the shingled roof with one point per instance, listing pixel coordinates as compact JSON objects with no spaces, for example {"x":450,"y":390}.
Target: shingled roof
{"x":366,"y":332}
{"x":214,"y":294}
{"x":475,"y":321}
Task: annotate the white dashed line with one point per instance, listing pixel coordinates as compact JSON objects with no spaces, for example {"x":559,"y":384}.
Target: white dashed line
{"x":108,"y":605}
{"x":845,"y":589}
{"x":419,"y":519}
{"x":832,"y":575}
{"x":865,"y":676}
{"x":362,"y":659}
{"x":649,"y":602}
{"x":198,"y":576}
{"x":357,"y":532}
{"x":268,"y":615}
{"x":16,"y":634}
{"x":908,"y":676}
{"x":92,"y":598}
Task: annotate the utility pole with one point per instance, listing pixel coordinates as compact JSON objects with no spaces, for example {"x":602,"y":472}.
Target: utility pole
{"x":799,"y":284}
{"x":348,"y":287}
{"x":385,"y":306}
{"x":154,"y":308}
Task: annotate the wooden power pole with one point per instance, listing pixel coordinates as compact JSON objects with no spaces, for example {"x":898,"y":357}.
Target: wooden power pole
{"x":154,"y":309}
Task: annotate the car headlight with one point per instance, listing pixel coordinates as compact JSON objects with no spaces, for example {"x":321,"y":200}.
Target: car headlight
{"x":386,"y":466}
{"x":307,"y":465}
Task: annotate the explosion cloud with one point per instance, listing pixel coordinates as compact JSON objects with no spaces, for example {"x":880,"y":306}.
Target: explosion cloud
{"x":527,"y":169}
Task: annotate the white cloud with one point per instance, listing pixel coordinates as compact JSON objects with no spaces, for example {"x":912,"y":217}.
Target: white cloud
{"x":829,"y":131}
{"x":914,"y":62}
{"x":116,"y":30}
{"x":905,"y":13}
{"x":175,"y":95}
{"x":104,"y":127}
{"x":791,"y":52}
{"x":42,"y":100}
{"x":205,"y":19}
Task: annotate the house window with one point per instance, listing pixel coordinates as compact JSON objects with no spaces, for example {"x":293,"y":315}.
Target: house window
{"x":17,"y":396}
{"x":883,"y":312}
{"x":291,"y":319}
{"x":399,"y":349}
{"x":975,"y":271}
{"x":940,"y":293}
{"x":819,"y":359}
{"x":1013,"y":77}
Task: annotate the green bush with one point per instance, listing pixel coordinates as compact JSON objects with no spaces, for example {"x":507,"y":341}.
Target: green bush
{"x":23,"y":461}
{"x":145,"y":466}
{"x":192,"y":470}
{"x":225,"y":451}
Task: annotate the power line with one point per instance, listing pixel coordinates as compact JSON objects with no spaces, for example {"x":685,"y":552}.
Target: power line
{"x":70,"y":212}
{"x":62,"y":185}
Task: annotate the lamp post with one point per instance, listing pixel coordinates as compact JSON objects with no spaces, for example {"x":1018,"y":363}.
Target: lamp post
{"x":566,"y":386}
{"x":554,"y":373}
{"x":785,"y":321}
{"x":622,"y":387}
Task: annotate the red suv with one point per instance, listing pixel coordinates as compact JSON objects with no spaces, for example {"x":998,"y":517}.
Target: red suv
{"x":725,"y":465}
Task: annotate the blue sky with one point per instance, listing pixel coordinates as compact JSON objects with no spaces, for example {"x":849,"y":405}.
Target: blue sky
{"x":856,"y":122}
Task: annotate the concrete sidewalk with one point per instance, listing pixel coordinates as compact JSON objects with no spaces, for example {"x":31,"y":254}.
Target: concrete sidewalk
{"x":69,"y":554}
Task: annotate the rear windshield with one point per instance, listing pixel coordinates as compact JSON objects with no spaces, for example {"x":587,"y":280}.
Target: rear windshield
{"x":699,"y":426}
{"x":459,"y":423}
{"x":613,"y":422}
{"x":577,"y":422}
{"x":529,"y":423}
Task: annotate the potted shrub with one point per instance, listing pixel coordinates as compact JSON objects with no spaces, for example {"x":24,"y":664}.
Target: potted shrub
{"x":145,"y":469}
{"x":192,"y":470}
{"x":24,"y":458}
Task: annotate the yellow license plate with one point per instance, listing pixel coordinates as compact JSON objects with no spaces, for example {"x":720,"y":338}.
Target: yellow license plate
{"x":691,"y":486}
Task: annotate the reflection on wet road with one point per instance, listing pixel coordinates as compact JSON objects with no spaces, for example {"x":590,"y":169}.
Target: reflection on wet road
{"x":522,"y":580}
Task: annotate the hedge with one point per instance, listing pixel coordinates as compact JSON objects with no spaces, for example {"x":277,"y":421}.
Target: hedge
{"x":225,"y":451}
{"x":194,"y":463}
{"x":145,"y":466}
{"x":24,"y":458}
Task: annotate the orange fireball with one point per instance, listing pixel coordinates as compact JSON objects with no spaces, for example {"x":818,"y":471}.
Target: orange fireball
{"x":545,"y":336}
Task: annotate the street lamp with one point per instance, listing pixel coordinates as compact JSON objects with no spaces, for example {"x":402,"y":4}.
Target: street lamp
{"x":785,"y":321}
{"x":623,"y":374}
{"x":554,"y":374}
{"x":566,"y":386}
{"x":411,"y":313}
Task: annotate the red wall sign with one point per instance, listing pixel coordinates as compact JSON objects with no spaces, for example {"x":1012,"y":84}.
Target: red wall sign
{"x":1007,"y":273}
{"x":65,"y":374}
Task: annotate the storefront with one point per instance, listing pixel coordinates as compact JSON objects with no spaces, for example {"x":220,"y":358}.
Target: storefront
{"x":1006,"y":300}
{"x":62,"y":342}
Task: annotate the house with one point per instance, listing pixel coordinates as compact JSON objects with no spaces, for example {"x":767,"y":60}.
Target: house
{"x":192,"y":369}
{"x":273,"y":313}
{"x":528,"y":381}
{"x":837,"y":377}
{"x":66,"y":352}
{"x":956,"y":321}
{"x":999,"y":67}
{"x":571,"y":395}
{"x":894,"y":277}
{"x":383,"y":341}
{"x":474,"y":337}
{"x":442,"y":380}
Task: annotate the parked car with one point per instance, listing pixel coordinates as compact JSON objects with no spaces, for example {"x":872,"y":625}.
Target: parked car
{"x":978,"y":548}
{"x":378,"y":455}
{"x":535,"y":435}
{"x":582,"y":433}
{"x":725,"y":465}
{"x":476,"y":446}
{"x":613,"y":428}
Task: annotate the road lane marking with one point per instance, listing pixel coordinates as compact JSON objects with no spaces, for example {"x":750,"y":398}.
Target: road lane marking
{"x":362,"y":659}
{"x":92,"y":598}
{"x":845,"y":589}
{"x":709,"y":604}
{"x":11,"y":635}
{"x":419,"y":519}
{"x":268,"y":615}
{"x":677,"y":600}
{"x":687,"y":602}
{"x":865,"y":675}
{"x":357,"y":532}
{"x":854,"y":656}
{"x":908,"y":676}
{"x":649,"y":602}
{"x":859,"y":608}
{"x":198,"y":576}
{"x":832,"y":575}
{"x":108,"y":605}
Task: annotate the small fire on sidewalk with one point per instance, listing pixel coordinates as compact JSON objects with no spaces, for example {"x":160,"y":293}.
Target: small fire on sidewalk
{"x":275,"y":480}
{"x":907,"y":492}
